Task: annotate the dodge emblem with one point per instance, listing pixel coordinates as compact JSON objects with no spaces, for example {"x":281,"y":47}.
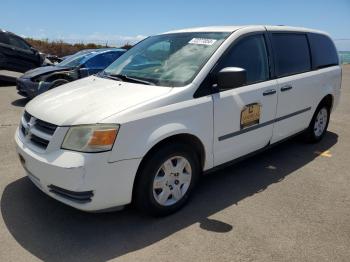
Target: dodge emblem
{"x":27,"y":129}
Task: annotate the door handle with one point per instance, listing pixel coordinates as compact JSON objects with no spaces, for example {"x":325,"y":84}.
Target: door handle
{"x":269,"y":92}
{"x":286,"y":88}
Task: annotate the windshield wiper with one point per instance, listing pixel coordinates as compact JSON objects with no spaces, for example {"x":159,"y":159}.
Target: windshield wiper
{"x":131,"y":79}
{"x":104,"y":75}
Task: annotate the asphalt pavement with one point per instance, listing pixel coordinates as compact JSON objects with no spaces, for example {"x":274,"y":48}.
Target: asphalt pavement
{"x":290,"y":203}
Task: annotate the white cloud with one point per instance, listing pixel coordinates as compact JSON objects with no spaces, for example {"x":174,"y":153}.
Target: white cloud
{"x":100,"y":38}
{"x":96,"y":37}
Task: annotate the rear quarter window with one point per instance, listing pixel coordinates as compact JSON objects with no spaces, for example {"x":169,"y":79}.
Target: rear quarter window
{"x":292,"y":55}
{"x":323,"y":51}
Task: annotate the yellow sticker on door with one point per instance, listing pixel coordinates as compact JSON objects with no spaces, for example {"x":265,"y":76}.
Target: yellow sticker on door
{"x":250,"y":115}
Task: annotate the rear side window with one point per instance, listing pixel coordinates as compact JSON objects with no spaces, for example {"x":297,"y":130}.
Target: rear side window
{"x":323,"y":51}
{"x":111,"y":57}
{"x":250,"y":54}
{"x":101,"y":61}
{"x":292,"y":54}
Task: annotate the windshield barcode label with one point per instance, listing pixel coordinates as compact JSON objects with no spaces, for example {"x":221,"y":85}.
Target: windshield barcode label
{"x":202,"y":41}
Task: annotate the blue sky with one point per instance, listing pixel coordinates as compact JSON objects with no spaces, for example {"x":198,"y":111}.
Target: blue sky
{"x":118,"y":22}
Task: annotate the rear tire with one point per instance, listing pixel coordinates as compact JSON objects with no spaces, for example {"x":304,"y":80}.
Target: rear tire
{"x":166,"y":180}
{"x":319,"y":124}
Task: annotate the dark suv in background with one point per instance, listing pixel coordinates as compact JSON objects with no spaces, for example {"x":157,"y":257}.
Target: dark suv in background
{"x":16,"y":54}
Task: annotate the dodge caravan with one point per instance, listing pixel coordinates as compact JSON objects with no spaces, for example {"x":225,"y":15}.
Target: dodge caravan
{"x":174,"y":106}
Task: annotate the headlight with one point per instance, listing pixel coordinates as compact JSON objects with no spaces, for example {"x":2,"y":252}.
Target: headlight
{"x":91,"y":138}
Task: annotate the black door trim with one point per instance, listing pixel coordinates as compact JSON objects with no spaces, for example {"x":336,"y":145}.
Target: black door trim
{"x":239,"y":159}
{"x":242,"y":131}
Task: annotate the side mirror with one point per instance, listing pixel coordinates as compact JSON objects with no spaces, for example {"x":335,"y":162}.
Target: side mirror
{"x":231,"y":77}
{"x":34,"y":50}
{"x":83,"y":72}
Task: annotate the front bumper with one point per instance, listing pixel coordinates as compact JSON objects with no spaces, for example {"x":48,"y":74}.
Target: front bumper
{"x":28,"y":88}
{"x":72,"y":176}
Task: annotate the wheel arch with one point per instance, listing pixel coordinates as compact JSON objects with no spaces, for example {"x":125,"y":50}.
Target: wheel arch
{"x":58,"y":76}
{"x":327,"y":100}
{"x":186,"y":138}
{"x":309,"y":135}
{"x":183,"y":137}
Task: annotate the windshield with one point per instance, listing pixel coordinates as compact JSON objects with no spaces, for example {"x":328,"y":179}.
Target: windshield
{"x":167,"y":60}
{"x":74,"y":60}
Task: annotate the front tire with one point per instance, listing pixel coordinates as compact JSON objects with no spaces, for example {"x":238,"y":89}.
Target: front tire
{"x":319,"y":124}
{"x":166,"y":180}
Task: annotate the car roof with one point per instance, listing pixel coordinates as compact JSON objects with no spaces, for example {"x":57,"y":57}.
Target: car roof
{"x":206,"y":29}
{"x":101,"y":50}
{"x":8,"y":32}
{"x":108,"y":49}
{"x":4,"y":31}
{"x":237,"y":27}
{"x":90,"y":53}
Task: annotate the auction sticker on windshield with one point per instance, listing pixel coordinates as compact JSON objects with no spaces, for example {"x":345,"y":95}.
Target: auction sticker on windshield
{"x":202,"y":41}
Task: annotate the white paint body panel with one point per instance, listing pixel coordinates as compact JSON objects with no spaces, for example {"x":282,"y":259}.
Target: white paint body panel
{"x":227,"y":115}
{"x":150,"y":114}
{"x":308,"y":89}
{"x":90,"y":100}
{"x":111,"y":182}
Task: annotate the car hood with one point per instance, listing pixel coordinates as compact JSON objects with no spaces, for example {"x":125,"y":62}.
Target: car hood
{"x":90,"y":100}
{"x":43,"y":71}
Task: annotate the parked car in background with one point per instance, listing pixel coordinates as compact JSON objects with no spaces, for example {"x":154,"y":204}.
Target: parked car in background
{"x":16,"y":54}
{"x":51,"y":59}
{"x":82,"y":64}
{"x":84,"y":51}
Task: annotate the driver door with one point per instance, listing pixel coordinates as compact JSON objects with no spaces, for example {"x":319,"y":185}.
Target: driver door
{"x":243,"y":116}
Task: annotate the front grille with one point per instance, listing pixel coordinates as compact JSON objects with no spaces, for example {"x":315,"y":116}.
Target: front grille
{"x":78,"y":197}
{"x":38,"y":141}
{"x":45,"y":127}
{"x":38,"y":132}
{"x":26,"y":116}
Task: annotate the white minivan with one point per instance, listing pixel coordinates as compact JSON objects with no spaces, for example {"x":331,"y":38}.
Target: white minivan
{"x":174,"y":106}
